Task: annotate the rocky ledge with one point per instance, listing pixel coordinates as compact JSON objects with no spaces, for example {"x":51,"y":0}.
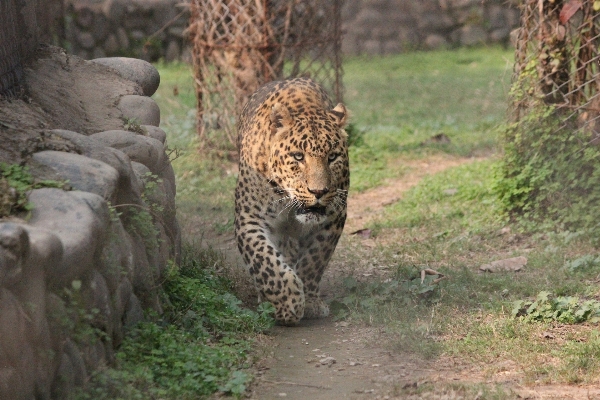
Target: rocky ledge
{"x":80,"y":268}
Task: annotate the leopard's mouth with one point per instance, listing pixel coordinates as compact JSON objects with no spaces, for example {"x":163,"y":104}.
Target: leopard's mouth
{"x":314,"y":210}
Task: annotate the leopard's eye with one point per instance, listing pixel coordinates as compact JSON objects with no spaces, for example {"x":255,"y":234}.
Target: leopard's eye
{"x":332,"y":157}
{"x":298,"y":156}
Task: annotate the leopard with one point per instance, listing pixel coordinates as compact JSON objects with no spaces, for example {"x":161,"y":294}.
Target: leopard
{"x":291,"y":193}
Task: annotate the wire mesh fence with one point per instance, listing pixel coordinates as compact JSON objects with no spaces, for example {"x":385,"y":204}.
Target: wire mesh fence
{"x":238,"y":45}
{"x":11,"y":70}
{"x":551,"y":169}
{"x":558,"y":60}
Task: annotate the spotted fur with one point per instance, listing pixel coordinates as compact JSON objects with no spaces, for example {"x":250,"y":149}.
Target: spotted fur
{"x":290,"y":199}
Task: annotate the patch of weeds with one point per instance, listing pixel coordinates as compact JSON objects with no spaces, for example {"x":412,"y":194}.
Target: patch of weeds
{"x":133,"y":125}
{"x":582,"y":359}
{"x":15,"y":183}
{"x":455,"y":391}
{"x":563,"y":309}
{"x":583,"y":264}
{"x":201,"y":345}
{"x":457,"y":198}
{"x":139,"y":221}
{"x":356,"y":135}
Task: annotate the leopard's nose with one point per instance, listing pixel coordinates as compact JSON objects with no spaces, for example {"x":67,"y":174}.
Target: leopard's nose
{"x":319,"y":192}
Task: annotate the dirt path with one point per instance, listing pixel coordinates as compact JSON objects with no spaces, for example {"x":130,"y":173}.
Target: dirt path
{"x":327,"y":359}
{"x":324,"y":359}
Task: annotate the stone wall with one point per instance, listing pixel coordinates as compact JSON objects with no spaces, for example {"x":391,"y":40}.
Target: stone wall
{"x":145,"y":29}
{"x":393,"y":26}
{"x":79,"y":269}
{"x":151,"y":29}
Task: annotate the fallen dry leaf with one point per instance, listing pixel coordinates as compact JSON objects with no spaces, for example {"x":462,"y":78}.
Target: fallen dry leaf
{"x":429,"y":271}
{"x":364,"y":233}
{"x":569,"y":10}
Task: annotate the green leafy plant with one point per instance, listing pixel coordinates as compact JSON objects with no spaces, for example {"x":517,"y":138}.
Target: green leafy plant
{"x":563,"y":309}
{"x":133,"y":125}
{"x":583,"y":263}
{"x":369,"y":296}
{"x":200,"y":345}
{"x":15,"y":182}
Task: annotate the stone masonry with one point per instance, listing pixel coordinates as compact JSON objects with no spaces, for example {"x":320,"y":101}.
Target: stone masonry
{"x":394,"y":26}
{"x":79,"y":269}
{"x":145,"y":29}
{"x":151,"y":29}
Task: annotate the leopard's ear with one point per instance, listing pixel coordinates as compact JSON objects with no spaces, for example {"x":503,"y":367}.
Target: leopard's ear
{"x":340,"y":114}
{"x":280,"y":117}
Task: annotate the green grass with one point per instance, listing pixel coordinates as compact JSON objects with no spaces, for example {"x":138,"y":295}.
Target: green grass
{"x":450,"y":222}
{"x":404,"y":100}
{"x":200,"y":345}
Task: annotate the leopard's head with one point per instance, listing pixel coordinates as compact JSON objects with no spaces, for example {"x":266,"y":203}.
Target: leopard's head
{"x":309,"y":159}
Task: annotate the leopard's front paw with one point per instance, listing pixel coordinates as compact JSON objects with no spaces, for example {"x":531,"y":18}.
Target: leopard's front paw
{"x":315,"y":308}
{"x":289,"y":302}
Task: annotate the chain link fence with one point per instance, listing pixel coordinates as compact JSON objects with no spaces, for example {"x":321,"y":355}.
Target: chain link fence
{"x":238,"y":45}
{"x":551,"y":168}
{"x":11,"y":70}
{"x":557,"y":54}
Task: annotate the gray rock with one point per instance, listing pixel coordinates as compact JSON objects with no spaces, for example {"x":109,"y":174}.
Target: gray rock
{"x":501,"y":35}
{"x":111,"y":45}
{"x":178,"y":31}
{"x":17,"y":356}
{"x":129,"y":192}
{"x":139,"y":71}
{"x":82,"y":53}
{"x":125,"y":291}
{"x":86,"y":40}
{"x":471,"y":35}
{"x":85,"y":17}
{"x":57,"y":314}
{"x":156,"y":133}
{"x":173,"y":52}
{"x":64,"y":382}
{"x":142,"y":109}
{"x":371,"y":47}
{"x":139,"y":148}
{"x":133,"y":313}
{"x":137,"y":35}
{"x":160,"y":195}
{"x":496,"y":17}
{"x":40,"y":250}
{"x":100,"y":300}
{"x":117,"y":258}
{"x":77,"y":363}
{"x":391,"y":47}
{"x":83,"y":173}
{"x":14,"y":247}
{"x":436,"y":42}
{"x":98,"y":52}
{"x":113,"y":9}
{"x":101,"y":26}
{"x":143,"y":280}
{"x":94,"y":355}
{"x":80,"y":220}
{"x":123,"y":38}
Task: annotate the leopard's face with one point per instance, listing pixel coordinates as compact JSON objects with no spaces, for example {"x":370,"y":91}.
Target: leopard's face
{"x":309,"y":161}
